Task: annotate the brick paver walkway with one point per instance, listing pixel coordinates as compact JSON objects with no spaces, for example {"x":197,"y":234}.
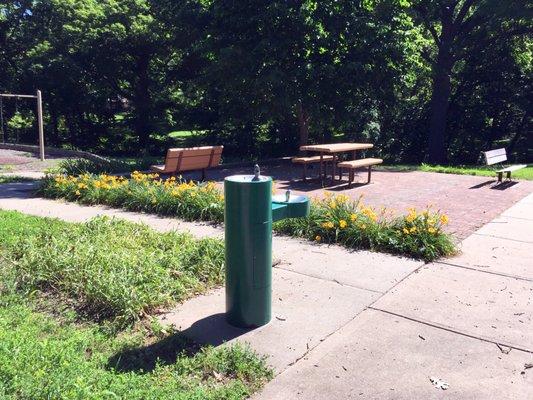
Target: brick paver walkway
{"x":470,"y":201}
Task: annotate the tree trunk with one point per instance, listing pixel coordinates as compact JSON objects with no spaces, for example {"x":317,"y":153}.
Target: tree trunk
{"x":303,"y":124}
{"x":440,"y":102}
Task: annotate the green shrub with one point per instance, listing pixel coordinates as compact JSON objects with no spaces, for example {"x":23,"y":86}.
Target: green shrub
{"x":79,"y":166}
{"x":338,"y":219}
{"x":143,"y":192}
{"x":332,"y":220}
{"x":112,"y":269}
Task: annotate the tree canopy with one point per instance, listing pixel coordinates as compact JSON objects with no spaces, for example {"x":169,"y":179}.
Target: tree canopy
{"x":424,"y":80}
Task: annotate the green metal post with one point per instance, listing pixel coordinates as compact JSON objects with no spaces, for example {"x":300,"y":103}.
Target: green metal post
{"x":248,"y":236}
{"x":248,"y":215}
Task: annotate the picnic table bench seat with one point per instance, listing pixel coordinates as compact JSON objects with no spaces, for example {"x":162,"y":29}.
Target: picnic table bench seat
{"x":310,"y":160}
{"x":352,"y":165}
{"x":500,"y":155}
{"x":180,"y":160}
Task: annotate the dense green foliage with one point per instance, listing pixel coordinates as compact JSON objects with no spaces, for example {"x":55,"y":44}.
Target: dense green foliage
{"x":46,"y":354}
{"x":112,"y":269}
{"x":142,"y":192}
{"x":337,"y":219}
{"x":423,"y":79}
{"x":332,"y":220}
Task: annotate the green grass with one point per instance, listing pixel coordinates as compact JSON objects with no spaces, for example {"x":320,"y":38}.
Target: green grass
{"x":45,"y":353}
{"x":185,"y":134}
{"x":476,"y":170}
{"x":62,"y":283}
{"x":525,"y":173}
{"x":113,"y":270}
{"x":14,"y":179}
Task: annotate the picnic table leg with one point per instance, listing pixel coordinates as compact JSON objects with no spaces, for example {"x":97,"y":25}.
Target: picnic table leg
{"x":321,"y":165}
{"x":354,"y":157}
{"x":334,"y":172}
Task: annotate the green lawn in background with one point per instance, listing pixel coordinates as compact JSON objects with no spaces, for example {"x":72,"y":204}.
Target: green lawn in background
{"x":185,"y":134}
{"x":525,"y":173}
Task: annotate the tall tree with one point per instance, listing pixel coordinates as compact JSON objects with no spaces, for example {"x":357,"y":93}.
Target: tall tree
{"x":451,"y":23}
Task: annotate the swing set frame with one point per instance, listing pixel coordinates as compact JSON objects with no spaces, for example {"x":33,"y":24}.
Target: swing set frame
{"x":38,"y":96}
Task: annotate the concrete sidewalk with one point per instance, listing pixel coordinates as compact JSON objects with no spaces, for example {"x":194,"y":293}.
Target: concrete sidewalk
{"x":467,"y":320}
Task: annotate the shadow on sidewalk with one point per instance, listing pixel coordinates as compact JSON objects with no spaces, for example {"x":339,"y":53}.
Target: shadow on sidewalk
{"x":18,"y":190}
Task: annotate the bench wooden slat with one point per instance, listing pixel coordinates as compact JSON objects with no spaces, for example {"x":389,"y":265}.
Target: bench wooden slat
{"x":189,"y":159}
{"x":362,"y":162}
{"x":310,"y":160}
{"x":354,"y":164}
{"x":495,"y":156}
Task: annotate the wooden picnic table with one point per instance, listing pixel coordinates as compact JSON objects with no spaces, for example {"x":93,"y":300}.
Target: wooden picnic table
{"x":335,"y":149}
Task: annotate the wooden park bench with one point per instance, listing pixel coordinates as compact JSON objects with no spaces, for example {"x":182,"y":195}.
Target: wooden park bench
{"x":497,"y":156}
{"x":190,"y":159}
{"x":352,"y":165}
{"x":305,"y":161}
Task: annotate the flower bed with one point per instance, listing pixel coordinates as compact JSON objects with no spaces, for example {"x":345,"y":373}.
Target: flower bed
{"x":335,"y":219}
{"x":338,"y":219}
{"x":142,"y":192}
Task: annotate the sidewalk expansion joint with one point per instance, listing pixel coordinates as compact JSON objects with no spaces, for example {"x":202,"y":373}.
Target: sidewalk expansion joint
{"x":521,"y":218}
{"x":503,"y":238}
{"x":278,"y":266}
{"x":452,"y":330}
{"x":520,"y":278}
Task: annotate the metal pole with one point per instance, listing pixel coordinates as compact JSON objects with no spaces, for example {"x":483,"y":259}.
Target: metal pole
{"x":40,"y":123}
{"x":22,"y":96}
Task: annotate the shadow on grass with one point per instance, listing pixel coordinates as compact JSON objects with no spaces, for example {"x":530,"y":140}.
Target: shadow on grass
{"x":144,"y":359}
{"x":212,"y":330}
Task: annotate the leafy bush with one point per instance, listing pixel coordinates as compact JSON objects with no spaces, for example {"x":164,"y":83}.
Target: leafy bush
{"x":331,"y":220}
{"x":112,"y":269}
{"x":338,"y":219}
{"x":143,"y":192}
{"x":80,"y":166}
